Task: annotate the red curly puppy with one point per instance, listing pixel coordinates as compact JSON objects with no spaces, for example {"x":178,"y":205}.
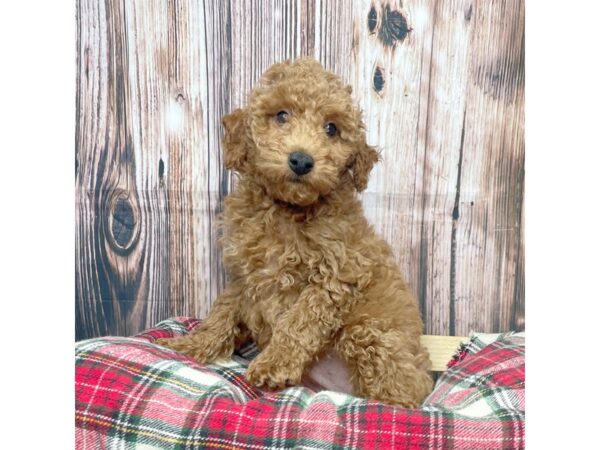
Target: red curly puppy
{"x":308,"y":273}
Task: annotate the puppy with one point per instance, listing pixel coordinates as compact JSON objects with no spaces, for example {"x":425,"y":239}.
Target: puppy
{"x":308,"y":275}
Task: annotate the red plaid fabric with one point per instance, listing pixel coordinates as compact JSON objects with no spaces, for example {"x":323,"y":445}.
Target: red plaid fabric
{"x":133,"y":394}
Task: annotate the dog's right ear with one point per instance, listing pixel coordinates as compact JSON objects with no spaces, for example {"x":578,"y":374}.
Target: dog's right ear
{"x":234,"y":141}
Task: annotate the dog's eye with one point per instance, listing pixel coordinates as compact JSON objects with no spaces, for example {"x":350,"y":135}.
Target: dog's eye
{"x":282,"y":116}
{"x":330,"y":129}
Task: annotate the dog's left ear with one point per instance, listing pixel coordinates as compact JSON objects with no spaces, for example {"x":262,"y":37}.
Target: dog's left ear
{"x":364,"y":160}
{"x":234,"y":141}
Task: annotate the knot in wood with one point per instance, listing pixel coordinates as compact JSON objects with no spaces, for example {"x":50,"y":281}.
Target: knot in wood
{"x":372,"y":20}
{"x":394,"y":27}
{"x":123,"y":224}
{"x":378,"y":80}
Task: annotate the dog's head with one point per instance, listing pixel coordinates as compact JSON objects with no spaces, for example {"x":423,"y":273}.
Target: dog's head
{"x":300,"y":137}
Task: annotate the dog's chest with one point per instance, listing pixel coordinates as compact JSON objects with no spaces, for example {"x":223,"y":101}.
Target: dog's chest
{"x":274,"y":254}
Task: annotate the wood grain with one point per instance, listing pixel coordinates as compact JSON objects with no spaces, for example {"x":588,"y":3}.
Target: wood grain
{"x":112,"y":245}
{"x":488,"y":246}
{"x":441,"y":86}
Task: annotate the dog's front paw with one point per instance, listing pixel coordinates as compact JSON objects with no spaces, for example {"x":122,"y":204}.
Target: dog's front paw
{"x":203,"y":346}
{"x":274,"y":372}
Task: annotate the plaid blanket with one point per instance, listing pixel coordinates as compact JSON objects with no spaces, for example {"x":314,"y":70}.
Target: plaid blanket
{"x":133,"y":394}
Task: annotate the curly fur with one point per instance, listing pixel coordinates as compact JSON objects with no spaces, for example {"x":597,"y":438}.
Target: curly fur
{"x":308,"y":273}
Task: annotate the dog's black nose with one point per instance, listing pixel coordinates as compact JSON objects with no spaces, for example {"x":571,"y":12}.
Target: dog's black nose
{"x":300,"y":163}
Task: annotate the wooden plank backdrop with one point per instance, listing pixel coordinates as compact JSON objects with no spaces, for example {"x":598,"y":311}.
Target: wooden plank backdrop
{"x":441,"y":84}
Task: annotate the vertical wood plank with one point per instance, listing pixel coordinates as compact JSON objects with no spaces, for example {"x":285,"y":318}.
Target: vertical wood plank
{"x":440,"y":141}
{"x":488,"y":247}
{"x":335,"y":37}
{"x":147,"y":75}
{"x":213,"y":67}
{"x":183,"y":132}
{"x":306,"y":26}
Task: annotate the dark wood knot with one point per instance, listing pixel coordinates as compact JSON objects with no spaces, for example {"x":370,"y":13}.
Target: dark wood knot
{"x":378,"y":80}
{"x":372,"y":20}
{"x":393,"y":28}
{"x":123,"y":223}
{"x":469,"y":13}
{"x":161,"y":169}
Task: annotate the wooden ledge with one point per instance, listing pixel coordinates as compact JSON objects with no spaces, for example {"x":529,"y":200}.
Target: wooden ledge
{"x":441,"y":349}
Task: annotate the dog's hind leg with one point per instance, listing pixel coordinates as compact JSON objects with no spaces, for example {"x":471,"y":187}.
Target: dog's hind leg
{"x":215,"y":337}
{"x":385,"y":363}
